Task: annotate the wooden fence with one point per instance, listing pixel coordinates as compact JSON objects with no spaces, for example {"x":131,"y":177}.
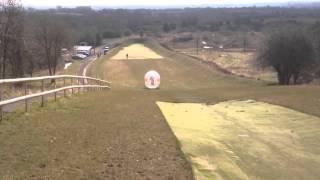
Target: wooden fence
{"x":75,"y":83}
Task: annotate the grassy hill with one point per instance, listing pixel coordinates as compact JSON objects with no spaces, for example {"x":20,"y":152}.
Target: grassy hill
{"x":122,"y":134}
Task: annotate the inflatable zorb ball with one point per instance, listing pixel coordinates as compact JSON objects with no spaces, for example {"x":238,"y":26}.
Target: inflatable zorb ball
{"x":152,"y":80}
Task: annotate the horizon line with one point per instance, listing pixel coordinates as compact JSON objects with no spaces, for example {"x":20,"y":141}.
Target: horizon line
{"x":212,"y":5}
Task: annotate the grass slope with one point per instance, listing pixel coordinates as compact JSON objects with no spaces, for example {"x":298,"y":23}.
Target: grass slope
{"x":121,"y":133}
{"x":100,"y":135}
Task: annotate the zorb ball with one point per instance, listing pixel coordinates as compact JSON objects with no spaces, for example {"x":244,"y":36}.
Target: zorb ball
{"x":152,"y":80}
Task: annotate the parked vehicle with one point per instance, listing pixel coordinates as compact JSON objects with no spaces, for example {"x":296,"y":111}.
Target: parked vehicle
{"x":79,"y":56}
{"x":84,"y":53}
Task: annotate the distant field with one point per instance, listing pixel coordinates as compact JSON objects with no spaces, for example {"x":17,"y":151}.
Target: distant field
{"x":241,"y":63}
{"x":238,"y":63}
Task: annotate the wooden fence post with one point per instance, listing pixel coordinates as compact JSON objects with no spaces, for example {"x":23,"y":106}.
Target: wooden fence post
{"x":79,"y":89}
{"x":42,"y":90}
{"x":1,"y":112}
{"x":72,"y":85}
{"x":88,"y":83}
{"x":55,"y":87}
{"x":26,"y":93}
{"x":64,"y":85}
{"x":83,"y":83}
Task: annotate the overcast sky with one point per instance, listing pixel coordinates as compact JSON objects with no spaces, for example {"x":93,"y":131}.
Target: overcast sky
{"x":115,"y":3}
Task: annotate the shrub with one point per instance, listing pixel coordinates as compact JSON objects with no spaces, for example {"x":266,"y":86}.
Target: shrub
{"x":290,"y":53}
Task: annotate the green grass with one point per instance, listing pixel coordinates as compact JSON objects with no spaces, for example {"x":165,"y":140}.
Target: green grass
{"x":83,"y":136}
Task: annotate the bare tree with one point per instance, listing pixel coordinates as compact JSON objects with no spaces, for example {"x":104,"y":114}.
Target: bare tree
{"x":51,"y":36}
{"x":315,"y":33}
{"x":11,"y":36}
{"x":16,"y":54}
{"x":290,"y":53}
{"x":32,"y":57}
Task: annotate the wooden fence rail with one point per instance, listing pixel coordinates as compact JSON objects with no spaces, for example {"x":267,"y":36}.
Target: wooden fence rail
{"x":6,"y":81}
{"x":77,"y":82}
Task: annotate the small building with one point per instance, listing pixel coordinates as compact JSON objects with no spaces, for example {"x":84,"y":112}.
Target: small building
{"x":87,"y":50}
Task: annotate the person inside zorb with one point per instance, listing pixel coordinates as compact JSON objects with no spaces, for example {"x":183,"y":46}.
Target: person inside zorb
{"x":152,"y":80}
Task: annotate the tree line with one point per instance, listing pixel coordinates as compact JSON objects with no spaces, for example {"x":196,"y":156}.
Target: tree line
{"x":32,"y":39}
{"x":26,"y":44}
{"x":110,"y":23}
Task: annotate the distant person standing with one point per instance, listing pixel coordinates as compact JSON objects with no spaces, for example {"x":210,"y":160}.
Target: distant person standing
{"x":127,"y":56}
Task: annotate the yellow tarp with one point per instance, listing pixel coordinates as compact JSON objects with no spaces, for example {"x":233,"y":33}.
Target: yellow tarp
{"x":136,"y":51}
{"x":245,"y":139}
